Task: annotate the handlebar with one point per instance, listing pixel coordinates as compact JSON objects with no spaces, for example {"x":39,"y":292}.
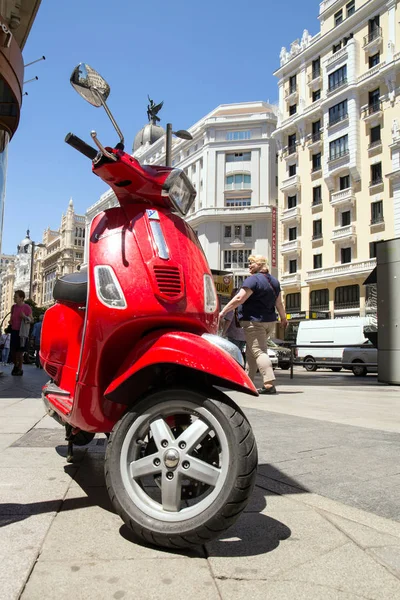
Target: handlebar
{"x":81,"y":146}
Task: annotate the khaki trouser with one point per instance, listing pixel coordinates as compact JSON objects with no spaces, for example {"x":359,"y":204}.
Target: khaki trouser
{"x":257,"y":357}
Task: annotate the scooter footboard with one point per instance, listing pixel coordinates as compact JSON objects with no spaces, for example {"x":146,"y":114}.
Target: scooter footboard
{"x":191,"y":355}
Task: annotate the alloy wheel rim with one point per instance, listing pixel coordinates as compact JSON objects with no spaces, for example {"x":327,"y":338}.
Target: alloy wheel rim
{"x":170,"y":463}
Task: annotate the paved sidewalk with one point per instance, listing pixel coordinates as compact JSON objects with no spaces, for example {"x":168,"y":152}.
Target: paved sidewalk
{"x":60,"y":538}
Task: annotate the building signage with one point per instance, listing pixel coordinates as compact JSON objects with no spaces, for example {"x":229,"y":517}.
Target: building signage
{"x":223,"y":285}
{"x":273,"y":242}
{"x":5,"y":36}
{"x":303,"y":314}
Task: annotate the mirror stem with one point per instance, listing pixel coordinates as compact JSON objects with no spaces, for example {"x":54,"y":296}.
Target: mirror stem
{"x":110,"y":116}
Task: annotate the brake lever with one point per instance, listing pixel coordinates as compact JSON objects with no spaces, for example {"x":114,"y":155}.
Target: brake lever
{"x":101,"y":147}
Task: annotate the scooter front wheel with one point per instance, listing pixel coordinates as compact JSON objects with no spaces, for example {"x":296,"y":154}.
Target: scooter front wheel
{"x":180,"y":467}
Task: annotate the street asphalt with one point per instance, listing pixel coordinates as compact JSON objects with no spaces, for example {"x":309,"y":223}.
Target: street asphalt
{"x":323,"y":523}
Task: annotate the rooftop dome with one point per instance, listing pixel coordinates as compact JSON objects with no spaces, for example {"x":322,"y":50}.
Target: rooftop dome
{"x":149,"y":134}
{"x":23,"y":246}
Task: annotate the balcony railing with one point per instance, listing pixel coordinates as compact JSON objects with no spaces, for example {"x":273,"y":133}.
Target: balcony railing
{"x":339,"y":233}
{"x":290,"y":182}
{"x":316,"y":168}
{"x":377,"y":220}
{"x":342,"y":196}
{"x":316,"y":236}
{"x":237,"y":186}
{"x":315,"y":137}
{"x":376,"y":34}
{"x":314,"y":76}
{"x":347,"y":305}
{"x":291,"y":91}
{"x":376,"y":181}
{"x":344,"y":270}
{"x":317,"y":202}
{"x":319,"y":307}
{"x":371,"y":109}
{"x":338,"y":155}
{"x":291,"y":214}
{"x":374,"y":144}
{"x":337,"y":85}
{"x":338,"y":119}
{"x":291,"y":279}
{"x":290,"y":246}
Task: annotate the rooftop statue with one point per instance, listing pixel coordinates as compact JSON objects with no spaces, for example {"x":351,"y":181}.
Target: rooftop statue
{"x":153,"y":110}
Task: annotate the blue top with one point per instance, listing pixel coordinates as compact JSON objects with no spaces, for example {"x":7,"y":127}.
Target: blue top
{"x":260,"y":306}
{"x":36,"y":332}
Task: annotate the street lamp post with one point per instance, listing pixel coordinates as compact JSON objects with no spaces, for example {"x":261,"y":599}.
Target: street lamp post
{"x":33,"y":246}
{"x":181,"y":133}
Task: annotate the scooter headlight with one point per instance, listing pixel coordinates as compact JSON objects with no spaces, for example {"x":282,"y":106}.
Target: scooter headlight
{"x":210,"y":295}
{"x":108,"y":290}
{"x":179,"y":190}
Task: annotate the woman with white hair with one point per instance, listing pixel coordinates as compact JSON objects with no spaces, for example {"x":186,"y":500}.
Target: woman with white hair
{"x":257,"y":301}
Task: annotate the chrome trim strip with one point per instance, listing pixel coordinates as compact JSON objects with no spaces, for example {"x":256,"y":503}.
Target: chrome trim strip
{"x":156,"y":230}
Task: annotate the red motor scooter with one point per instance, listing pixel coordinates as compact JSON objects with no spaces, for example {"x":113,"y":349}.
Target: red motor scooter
{"x":131,"y":350}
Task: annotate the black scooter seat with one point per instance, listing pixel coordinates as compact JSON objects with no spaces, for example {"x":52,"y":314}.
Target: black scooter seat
{"x":72,"y":287}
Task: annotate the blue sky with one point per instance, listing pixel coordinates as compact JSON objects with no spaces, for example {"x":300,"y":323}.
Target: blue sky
{"x":192,"y":55}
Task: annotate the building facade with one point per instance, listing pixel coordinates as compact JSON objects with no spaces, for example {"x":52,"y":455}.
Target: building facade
{"x":338,"y":139}
{"x":16,"y":18}
{"x":62,"y":253}
{"x":231,"y":162}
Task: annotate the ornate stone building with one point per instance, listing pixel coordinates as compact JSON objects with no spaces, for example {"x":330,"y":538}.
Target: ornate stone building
{"x":62,"y":253}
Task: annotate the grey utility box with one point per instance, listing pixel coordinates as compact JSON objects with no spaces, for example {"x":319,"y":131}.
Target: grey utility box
{"x":388,"y":287}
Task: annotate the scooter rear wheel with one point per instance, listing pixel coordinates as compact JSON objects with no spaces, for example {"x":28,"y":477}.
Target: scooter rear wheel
{"x":180,"y":467}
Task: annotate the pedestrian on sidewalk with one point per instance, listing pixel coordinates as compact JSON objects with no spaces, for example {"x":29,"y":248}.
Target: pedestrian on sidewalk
{"x":21,"y":318}
{"x":5,"y":348}
{"x":231,"y":328}
{"x":257,"y":302}
{"x":36,"y":335}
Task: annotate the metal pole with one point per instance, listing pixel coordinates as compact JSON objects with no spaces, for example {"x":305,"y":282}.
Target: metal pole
{"x":31,"y":274}
{"x":291,"y":361}
{"x":168,"y":145}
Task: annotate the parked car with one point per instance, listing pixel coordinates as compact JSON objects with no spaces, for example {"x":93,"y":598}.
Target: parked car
{"x":331,"y":333}
{"x":271,"y":353}
{"x":282,"y":353}
{"x":354,"y":359}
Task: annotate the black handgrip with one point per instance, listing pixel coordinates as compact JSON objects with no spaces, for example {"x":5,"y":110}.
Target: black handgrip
{"x":81,"y":146}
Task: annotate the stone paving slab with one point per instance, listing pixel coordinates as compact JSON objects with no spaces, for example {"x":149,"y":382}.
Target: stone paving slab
{"x":151,"y":579}
{"x":279,"y":590}
{"x":260,"y":546}
{"x":351,"y":570}
{"x":20,"y":540}
{"x":90,"y":530}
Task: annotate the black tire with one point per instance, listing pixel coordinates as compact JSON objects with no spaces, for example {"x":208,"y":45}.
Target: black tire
{"x":358,"y":369}
{"x":284,"y":366}
{"x":310,"y":364}
{"x":236,"y":486}
{"x":336,"y":369}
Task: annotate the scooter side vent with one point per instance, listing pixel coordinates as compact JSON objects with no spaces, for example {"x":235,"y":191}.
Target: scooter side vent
{"x":169,"y":281}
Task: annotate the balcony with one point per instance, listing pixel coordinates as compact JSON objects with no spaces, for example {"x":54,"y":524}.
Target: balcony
{"x":371,"y":72}
{"x":339,"y":119}
{"x":291,"y":183}
{"x":314,"y":140}
{"x":373,"y":39}
{"x":375,"y":183}
{"x":290,"y":280}
{"x":342,"y":197}
{"x":338,"y":161}
{"x":377,"y":223}
{"x":375,"y":147}
{"x":314,"y":79}
{"x":372,"y":112}
{"x":343,"y":234}
{"x":316,"y":205}
{"x":340,"y":55}
{"x":229,"y":187}
{"x":337,"y":86}
{"x":291,"y":214}
{"x":290,"y":246}
{"x":290,"y":151}
{"x":291,"y":93}
{"x":348,"y":270}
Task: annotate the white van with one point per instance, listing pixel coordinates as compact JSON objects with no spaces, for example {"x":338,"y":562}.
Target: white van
{"x":329,"y":332}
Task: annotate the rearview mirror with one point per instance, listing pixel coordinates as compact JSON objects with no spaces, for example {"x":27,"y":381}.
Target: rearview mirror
{"x":90,"y":85}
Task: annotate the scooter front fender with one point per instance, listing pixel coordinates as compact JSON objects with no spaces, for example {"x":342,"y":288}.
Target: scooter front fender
{"x":184,"y":349}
